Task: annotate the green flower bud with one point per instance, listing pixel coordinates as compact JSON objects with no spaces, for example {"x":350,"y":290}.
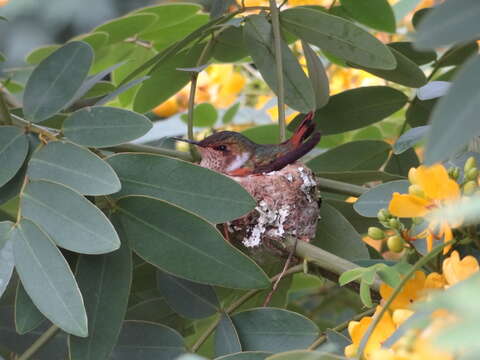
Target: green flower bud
{"x":376,"y":233}
{"x":471,"y":174}
{"x":469,"y":187}
{"x":383,"y":215}
{"x":470,"y":164}
{"x":394,"y":223}
{"x":454,"y":173}
{"x":396,"y":243}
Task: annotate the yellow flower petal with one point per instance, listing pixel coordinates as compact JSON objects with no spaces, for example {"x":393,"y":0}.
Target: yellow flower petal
{"x":456,"y":270}
{"x":436,"y":183}
{"x":411,"y":292}
{"x":435,"y":280}
{"x":406,"y":205}
{"x":399,"y":316}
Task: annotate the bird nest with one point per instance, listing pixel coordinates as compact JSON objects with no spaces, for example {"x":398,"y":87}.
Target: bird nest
{"x":287,"y":205}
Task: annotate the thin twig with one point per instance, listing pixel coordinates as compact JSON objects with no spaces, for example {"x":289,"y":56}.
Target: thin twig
{"x":281,"y":275}
{"x":6,"y":119}
{"x":41,"y":341}
{"x":340,"y":327}
{"x":237,"y":304}
{"x":277,"y":41}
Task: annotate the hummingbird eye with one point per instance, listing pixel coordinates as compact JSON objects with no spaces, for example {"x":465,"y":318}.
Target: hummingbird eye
{"x":220,"y":148}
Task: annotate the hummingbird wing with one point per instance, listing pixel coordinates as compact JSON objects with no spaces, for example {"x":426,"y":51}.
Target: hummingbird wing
{"x":290,"y":156}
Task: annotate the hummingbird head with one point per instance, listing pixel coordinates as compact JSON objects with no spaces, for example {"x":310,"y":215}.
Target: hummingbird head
{"x":224,"y":151}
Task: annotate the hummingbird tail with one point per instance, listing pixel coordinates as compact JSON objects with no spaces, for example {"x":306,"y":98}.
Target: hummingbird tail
{"x":303,"y":131}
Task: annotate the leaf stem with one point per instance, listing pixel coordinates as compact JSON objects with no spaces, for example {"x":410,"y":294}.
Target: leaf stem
{"x":277,"y":40}
{"x":41,"y":341}
{"x":376,"y":318}
{"x":238,"y":303}
{"x":151,"y":150}
{"x":340,"y":327}
{"x":340,"y":187}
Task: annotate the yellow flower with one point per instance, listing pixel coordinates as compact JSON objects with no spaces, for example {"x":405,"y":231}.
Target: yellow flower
{"x":399,"y":316}
{"x":437,"y":189}
{"x":167,"y":108}
{"x":413,"y":290}
{"x":456,"y":270}
{"x":382,"y":332}
{"x":435,"y":280}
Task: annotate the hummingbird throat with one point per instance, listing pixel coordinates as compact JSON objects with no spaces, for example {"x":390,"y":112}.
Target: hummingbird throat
{"x":238,"y":161}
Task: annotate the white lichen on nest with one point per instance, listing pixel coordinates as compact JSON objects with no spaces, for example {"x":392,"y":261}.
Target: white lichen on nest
{"x":287,"y":205}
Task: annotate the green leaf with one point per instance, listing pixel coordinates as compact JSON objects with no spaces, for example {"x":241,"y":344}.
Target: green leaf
{"x":389,"y":276}
{"x":406,"y":73}
{"x":6,"y":254}
{"x":96,"y":40}
{"x":228,"y":116}
{"x":73,"y":166}
{"x":263,"y":134}
{"x":258,"y":35}
{"x":147,"y":341}
{"x":178,"y":237}
{"x":72,"y":221}
{"x":214,"y":196}
{"x":379,"y":197}
{"x":27,"y":316}
{"x":12,"y":86}
{"x":39,"y":262}
{"x":360,"y":223}
{"x":230,"y":46}
{"x":37,"y":55}
{"x":5,"y":228}
{"x":56,"y":80}
{"x":359,"y":177}
{"x":155,"y":310}
{"x":226,"y":337}
{"x":104,"y":281}
{"x":462,"y":103}
{"x":458,"y":54}
{"x":356,"y":108}
{"x":338,"y":36}
{"x":317,"y":75}
{"x":101,"y":88}
{"x":150,"y":94}
{"x":246,"y":355}
{"x":336,"y":235}
{"x":305,"y":355}
{"x":13,"y":151}
{"x":419,"y":57}
{"x":190,"y":300}
{"x":376,"y":14}
{"x":365,"y":295}
{"x":350,"y":275}
{"x":450,"y":22}
{"x":169,"y":14}
{"x":103,"y":126}
{"x":404,"y":7}
{"x":409,"y":139}
{"x":401,"y":164}
{"x":351,"y":156}
{"x":122,"y":28}
{"x":275,"y":330}
{"x":418,"y":113}
{"x":204,"y":115}
{"x":136,"y":58}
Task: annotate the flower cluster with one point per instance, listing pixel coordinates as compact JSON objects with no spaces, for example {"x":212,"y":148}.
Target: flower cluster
{"x":431,"y":189}
{"x":414,"y":344}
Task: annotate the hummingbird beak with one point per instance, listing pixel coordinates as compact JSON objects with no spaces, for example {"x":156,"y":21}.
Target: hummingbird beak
{"x":185,"y":140}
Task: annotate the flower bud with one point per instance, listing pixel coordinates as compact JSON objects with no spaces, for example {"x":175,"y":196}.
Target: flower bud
{"x":395,"y":243}
{"x":394,"y":223}
{"x":454,"y":173}
{"x":412,"y":176}
{"x":471,"y":174}
{"x":376,"y":233}
{"x":416,"y":190}
{"x":470,"y":164}
{"x":469,"y":187}
{"x":383,"y":215}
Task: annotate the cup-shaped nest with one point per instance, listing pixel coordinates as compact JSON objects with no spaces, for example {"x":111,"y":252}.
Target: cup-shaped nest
{"x":287,"y":205}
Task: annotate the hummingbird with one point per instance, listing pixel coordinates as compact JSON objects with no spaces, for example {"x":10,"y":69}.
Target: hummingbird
{"x":233,"y":154}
